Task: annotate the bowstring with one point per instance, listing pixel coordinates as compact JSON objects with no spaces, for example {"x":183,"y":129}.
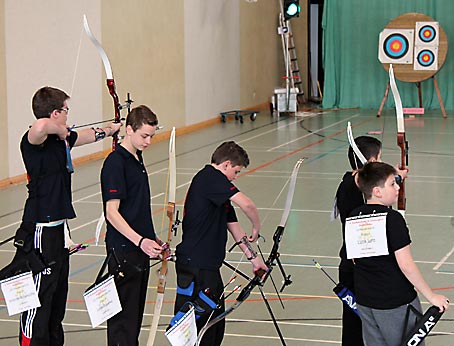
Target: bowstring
{"x":270,"y":209}
{"x":266,"y":216}
{"x":101,"y":219}
{"x":76,"y":66}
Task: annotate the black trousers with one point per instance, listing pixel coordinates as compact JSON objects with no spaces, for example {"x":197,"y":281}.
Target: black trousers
{"x":204,"y":279}
{"x":123,"y":329}
{"x":43,"y":326}
{"x":351,"y":323}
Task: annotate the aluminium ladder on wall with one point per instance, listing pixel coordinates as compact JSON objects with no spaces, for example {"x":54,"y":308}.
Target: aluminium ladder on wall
{"x":293,"y":75}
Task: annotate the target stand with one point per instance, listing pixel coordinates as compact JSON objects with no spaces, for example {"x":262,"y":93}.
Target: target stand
{"x":417,"y":46}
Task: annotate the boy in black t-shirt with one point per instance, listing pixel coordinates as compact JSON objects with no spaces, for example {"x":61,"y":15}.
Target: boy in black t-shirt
{"x":385,"y":278}
{"x":46,"y":153}
{"x":208,"y":214}
{"x":349,"y":197}
{"x":130,"y":231}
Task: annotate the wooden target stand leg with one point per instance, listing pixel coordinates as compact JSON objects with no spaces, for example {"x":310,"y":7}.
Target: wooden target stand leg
{"x":418,"y":85}
{"x":440,"y":100}
{"x":384,"y":100}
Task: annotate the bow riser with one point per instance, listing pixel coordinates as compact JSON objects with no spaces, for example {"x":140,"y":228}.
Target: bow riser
{"x":113,"y":92}
{"x":274,"y":253}
{"x":161,"y":287}
{"x":403,"y":145}
{"x":117,"y":106}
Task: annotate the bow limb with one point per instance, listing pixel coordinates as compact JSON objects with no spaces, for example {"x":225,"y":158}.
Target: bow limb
{"x":112,"y":91}
{"x":401,"y":141}
{"x":259,"y":280}
{"x":109,"y":79}
{"x":172,"y":186}
{"x":355,"y":148}
{"x":288,"y":204}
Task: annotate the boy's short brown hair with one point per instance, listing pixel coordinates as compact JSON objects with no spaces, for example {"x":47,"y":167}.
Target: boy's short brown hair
{"x":230,"y":151}
{"x":374,"y":174}
{"x":46,"y":100}
{"x":141,"y":115}
{"x":368,"y":146}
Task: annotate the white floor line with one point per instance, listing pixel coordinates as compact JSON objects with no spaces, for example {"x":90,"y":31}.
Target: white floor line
{"x":9,"y":225}
{"x":277,"y":209}
{"x":312,"y":133}
{"x":282,"y":254}
{"x":285,"y":337}
{"x":269,"y":131}
{"x":338,"y":326}
{"x":443,"y":260}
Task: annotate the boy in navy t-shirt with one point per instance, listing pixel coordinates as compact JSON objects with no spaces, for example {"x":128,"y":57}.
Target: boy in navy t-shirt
{"x":208,"y":214}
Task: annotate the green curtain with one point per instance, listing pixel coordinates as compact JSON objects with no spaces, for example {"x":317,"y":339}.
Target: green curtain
{"x":354,"y":77}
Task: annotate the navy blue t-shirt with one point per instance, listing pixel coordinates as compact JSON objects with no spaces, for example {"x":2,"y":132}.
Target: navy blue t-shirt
{"x":379,"y":282}
{"x":348,"y":198}
{"x":207,"y":210}
{"x":49,"y":187}
{"x":125,"y":178}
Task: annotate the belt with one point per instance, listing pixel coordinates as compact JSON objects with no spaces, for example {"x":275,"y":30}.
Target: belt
{"x":68,"y":240}
{"x":51,"y":224}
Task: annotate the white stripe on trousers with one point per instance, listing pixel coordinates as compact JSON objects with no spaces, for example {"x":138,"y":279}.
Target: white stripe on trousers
{"x":30,"y":314}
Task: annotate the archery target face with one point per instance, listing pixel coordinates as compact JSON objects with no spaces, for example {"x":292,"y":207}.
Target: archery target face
{"x":396,"y":46}
{"x":426,"y":33}
{"x":426,"y":58}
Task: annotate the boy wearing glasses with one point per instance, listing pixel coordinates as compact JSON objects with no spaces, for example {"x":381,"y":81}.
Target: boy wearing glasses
{"x":45,"y":149}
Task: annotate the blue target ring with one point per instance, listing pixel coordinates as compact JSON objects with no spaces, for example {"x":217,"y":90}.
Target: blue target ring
{"x":426,"y":58}
{"x":395,"y":46}
{"x":427,"y":33}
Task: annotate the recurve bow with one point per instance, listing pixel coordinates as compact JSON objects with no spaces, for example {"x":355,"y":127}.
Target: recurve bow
{"x":401,"y":141}
{"x":162,"y":273}
{"x":113,"y":92}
